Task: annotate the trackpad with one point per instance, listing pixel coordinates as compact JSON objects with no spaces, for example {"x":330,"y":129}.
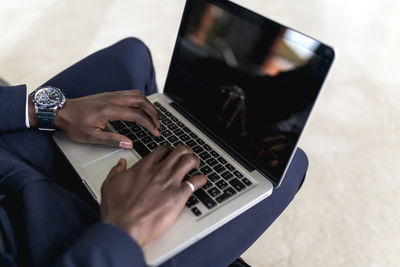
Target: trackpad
{"x":96,"y":171}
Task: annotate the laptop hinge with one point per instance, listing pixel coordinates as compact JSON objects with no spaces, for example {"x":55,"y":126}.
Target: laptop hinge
{"x":213,"y":137}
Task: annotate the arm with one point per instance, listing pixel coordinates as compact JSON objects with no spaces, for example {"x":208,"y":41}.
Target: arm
{"x":138,"y":205}
{"x":103,"y":245}
{"x":13,"y":108}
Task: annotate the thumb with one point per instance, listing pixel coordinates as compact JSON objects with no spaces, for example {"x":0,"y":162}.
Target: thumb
{"x":112,"y":139}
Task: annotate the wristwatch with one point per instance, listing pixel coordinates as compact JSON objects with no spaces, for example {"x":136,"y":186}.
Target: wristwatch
{"x":47,"y":100}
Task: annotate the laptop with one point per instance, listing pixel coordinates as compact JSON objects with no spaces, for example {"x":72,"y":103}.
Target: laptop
{"x":239,"y":91}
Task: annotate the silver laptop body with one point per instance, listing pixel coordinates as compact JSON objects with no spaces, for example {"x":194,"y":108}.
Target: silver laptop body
{"x":244,"y":35}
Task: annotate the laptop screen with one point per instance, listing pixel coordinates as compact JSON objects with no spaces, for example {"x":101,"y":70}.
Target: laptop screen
{"x":250,"y":81}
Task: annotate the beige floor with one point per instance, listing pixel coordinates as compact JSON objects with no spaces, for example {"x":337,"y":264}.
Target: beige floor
{"x":348,"y":211}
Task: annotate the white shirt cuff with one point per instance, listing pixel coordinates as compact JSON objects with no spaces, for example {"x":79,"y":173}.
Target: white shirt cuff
{"x":26,"y":110}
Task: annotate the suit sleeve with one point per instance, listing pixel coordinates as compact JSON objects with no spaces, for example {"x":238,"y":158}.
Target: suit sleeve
{"x":13,"y":108}
{"x":103,"y":245}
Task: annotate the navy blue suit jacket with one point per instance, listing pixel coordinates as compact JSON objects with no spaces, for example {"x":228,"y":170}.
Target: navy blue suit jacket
{"x":42,"y":223}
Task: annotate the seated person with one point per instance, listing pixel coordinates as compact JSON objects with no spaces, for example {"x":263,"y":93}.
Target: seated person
{"x":47,"y":218}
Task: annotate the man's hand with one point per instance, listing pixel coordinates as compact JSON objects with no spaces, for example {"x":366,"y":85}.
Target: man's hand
{"x":84,"y":119}
{"x":146,"y":199}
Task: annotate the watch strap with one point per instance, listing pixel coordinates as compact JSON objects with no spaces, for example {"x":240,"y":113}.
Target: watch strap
{"x":45,"y":120}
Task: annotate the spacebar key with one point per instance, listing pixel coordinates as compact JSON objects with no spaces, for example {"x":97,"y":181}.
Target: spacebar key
{"x":205,"y":199}
{"x":141,"y":148}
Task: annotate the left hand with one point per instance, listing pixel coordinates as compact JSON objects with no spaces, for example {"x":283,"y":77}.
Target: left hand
{"x":84,"y":119}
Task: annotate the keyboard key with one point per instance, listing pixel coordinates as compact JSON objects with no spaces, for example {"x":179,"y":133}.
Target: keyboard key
{"x":205,"y":198}
{"x":222,"y":184}
{"x":166,"y":121}
{"x":124,"y":131}
{"x":159,"y":139}
{"x":161,"y":116}
{"x":196,"y":211}
{"x":213,"y":177}
{"x":168,"y":114}
{"x":202,"y":163}
{"x":198,"y":149}
{"x":193,"y":135}
{"x":207,"y":147}
{"x":177,"y":143}
{"x":147,"y":139}
{"x":219,"y":168}
{"x":222,"y":160}
{"x":227,"y":175}
{"x":238,"y":174}
{"x":136,"y":129}
{"x":173,"y":139}
{"x":162,"y":128}
{"x":211,"y":162}
{"x":166,"y":133}
{"x":174,"y":119}
{"x":191,"y":201}
{"x":152,"y":145}
{"x":178,"y":132}
{"x":214,"y":192}
{"x":165,"y":143}
{"x":163,"y":109}
{"x":214,"y":154}
{"x":199,"y":141}
{"x":230,"y":167}
{"x":191,"y":143}
{"x":141,"y":134}
{"x":184,"y":137}
{"x":157,"y":104}
{"x":180,"y":124}
{"x":227,"y":194}
{"x":117,"y":125}
{"x":186,"y":129}
{"x":204,"y":155}
{"x":130,"y":124}
{"x":141,"y":148}
{"x":206,"y":170}
{"x":246,"y":181}
{"x":207,"y":185}
{"x":237,"y":184}
{"x":193,"y":172}
{"x":132,"y":137}
{"x":172,"y":127}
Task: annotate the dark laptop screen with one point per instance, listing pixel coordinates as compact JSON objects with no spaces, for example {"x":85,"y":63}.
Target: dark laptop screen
{"x":249,"y":80}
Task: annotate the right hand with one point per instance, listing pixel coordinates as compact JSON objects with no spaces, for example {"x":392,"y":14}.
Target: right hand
{"x":146,"y":199}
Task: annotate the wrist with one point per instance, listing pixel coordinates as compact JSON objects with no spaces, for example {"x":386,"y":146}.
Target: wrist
{"x":60,"y":117}
{"x":32,"y":114}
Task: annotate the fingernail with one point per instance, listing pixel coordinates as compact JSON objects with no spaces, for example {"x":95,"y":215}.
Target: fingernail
{"x":126,"y":145}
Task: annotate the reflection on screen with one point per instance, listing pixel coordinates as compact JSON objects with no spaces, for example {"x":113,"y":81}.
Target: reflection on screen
{"x":253,"y":85}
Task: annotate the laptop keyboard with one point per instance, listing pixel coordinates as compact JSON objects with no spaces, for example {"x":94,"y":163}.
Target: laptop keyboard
{"x":223,"y":180}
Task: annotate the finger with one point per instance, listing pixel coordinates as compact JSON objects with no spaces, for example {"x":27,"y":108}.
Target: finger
{"x":197,"y":181}
{"x":118,"y":168}
{"x":110,"y":139}
{"x":132,"y":114}
{"x":186,"y":163}
{"x":137,"y":100}
{"x":158,"y":154}
{"x":170,"y":162}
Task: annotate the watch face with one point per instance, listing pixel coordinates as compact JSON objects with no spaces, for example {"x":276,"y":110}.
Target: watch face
{"x":47,"y":97}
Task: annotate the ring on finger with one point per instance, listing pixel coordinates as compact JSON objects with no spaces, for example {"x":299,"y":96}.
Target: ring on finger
{"x":190,"y":185}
